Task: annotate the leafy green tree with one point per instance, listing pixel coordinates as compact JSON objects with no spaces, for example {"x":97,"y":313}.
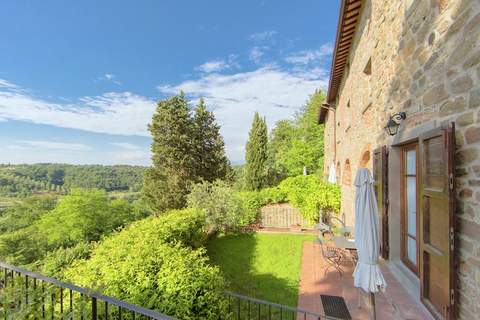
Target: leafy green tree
{"x":211,"y":161}
{"x":25,"y":213}
{"x":84,"y":214}
{"x":256,"y":154}
{"x":299,"y":143}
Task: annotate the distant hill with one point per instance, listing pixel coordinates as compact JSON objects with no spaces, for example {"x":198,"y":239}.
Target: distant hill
{"x":25,"y":180}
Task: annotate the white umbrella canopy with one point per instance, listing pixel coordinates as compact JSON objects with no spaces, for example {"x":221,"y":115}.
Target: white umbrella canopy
{"x":332,"y":175}
{"x":367,"y":274}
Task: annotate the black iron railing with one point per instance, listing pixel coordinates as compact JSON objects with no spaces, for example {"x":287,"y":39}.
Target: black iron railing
{"x":247,"y":308}
{"x":27,"y":295}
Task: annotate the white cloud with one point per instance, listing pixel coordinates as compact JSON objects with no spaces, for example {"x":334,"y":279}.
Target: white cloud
{"x":256,"y":54}
{"x":110,"y":78}
{"x":126,"y":145}
{"x":262,"y":36}
{"x":51,"y":145}
{"x":308,"y":56}
{"x":6,"y":84}
{"x":212,"y":66}
{"x":219,"y":64}
{"x":121,"y":113}
{"x":274,"y":92}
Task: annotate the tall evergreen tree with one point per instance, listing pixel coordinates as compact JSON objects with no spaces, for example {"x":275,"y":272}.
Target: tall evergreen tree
{"x":210,"y":159}
{"x":187,"y":148}
{"x":256,"y":154}
{"x":167,"y":182}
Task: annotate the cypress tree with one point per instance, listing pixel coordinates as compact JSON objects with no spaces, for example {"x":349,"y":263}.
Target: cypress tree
{"x":211,"y":161}
{"x":187,"y":148}
{"x":256,"y":154}
{"x":167,"y":182}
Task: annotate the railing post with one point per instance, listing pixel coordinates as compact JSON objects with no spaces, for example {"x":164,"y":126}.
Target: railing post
{"x":94,"y":308}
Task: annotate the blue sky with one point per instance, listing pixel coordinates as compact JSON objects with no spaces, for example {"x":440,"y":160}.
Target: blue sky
{"x":79,"y":79}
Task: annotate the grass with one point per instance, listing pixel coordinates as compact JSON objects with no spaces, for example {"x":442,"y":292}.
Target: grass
{"x":259,"y":265}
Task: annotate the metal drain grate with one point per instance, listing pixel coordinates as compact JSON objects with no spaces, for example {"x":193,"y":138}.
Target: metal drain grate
{"x":335,"y":306}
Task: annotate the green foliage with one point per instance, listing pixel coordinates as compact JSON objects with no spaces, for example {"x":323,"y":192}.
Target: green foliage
{"x":23,"y":246}
{"x":256,"y":154}
{"x":84,"y":214}
{"x":298,"y":143}
{"x":147,"y":264}
{"x":310,"y":194}
{"x":185,"y":226}
{"x":55,"y":262}
{"x":211,"y":161}
{"x":186,"y":149}
{"x":24,"y":213}
{"x":23,"y":180}
{"x":222,"y":211}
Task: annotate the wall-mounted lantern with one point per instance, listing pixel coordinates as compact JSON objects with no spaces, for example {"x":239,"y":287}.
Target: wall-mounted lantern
{"x":394,"y":122}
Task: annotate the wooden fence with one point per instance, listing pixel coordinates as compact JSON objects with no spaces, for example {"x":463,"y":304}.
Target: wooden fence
{"x":282,"y":215}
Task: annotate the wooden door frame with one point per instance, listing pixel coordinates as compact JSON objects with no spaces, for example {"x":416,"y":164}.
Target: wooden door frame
{"x":403,"y":210}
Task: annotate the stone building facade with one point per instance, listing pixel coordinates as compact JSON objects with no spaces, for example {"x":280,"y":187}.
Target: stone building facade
{"x":421,"y":57}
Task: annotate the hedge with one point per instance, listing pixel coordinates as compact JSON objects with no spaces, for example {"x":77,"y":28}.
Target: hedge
{"x":152,"y":263}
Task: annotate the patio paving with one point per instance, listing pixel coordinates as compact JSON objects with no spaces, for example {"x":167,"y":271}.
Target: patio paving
{"x":395,"y":303}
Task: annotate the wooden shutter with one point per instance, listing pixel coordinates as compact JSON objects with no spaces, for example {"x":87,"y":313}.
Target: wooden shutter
{"x":380,"y":174}
{"x":437,"y":207}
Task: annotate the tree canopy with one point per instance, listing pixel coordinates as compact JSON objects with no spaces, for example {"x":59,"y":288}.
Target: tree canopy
{"x":298,"y":143}
{"x":187,"y":148}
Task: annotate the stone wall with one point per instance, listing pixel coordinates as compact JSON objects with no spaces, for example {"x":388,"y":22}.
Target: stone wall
{"x":421,"y":57}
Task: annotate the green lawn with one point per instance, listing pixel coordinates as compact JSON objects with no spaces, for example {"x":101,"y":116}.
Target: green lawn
{"x":259,"y":265}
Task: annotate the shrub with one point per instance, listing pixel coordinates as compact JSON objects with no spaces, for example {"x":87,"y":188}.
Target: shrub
{"x":273,"y":195}
{"x":55,"y":262}
{"x":250,"y":203}
{"x":310,"y":194}
{"x":186,"y":226}
{"x":222,"y":211}
{"x":140,"y":265}
{"x":22,"y":247}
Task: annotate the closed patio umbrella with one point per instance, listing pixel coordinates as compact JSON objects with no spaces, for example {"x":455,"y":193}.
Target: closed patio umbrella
{"x":332,"y":175}
{"x":367,"y":274}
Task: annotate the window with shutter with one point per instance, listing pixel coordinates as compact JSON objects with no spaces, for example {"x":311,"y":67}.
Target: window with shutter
{"x":380,"y":174}
{"x":437,"y":207}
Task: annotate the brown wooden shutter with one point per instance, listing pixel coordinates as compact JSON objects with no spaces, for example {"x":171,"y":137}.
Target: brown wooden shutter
{"x":380,"y":174}
{"x":437,"y":207}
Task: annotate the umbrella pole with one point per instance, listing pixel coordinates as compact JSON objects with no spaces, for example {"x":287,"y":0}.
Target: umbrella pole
{"x":372,"y":302}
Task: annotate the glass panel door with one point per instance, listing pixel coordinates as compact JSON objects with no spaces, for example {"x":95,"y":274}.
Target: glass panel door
{"x":410,"y":205}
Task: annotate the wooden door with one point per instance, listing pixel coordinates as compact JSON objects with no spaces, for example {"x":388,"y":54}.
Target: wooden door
{"x":380,"y":175}
{"x":437,"y":205}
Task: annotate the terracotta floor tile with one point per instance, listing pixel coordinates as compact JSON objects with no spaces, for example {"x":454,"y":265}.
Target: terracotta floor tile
{"x":394,"y":304}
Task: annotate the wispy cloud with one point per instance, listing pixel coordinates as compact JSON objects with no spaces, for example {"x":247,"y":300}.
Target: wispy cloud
{"x":121,"y":113}
{"x":256,"y":54}
{"x":51,"y":145}
{"x":262,"y":36}
{"x":126,"y":145}
{"x":6,"y":84}
{"x":212,"y":66}
{"x":274,"y":92}
{"x":109,"y":77}
{"x":131,"y":153}
{"x":310,"y":56}
{"x":219,"y":64}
